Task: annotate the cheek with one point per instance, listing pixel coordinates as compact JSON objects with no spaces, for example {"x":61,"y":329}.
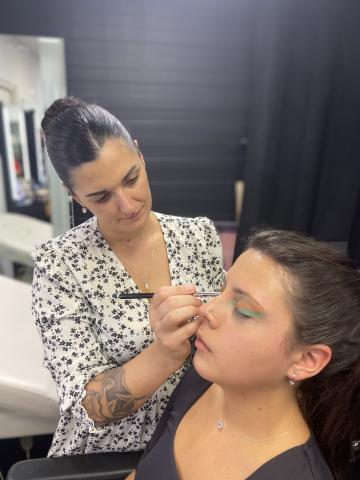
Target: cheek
{"x":247,"y":354}
{"x":144,"y":188}
{"x":250,"y":347}
{"x":231,"y":348}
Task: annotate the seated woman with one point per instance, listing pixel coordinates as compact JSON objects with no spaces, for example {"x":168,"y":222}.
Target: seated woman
{"x":274,"y":393}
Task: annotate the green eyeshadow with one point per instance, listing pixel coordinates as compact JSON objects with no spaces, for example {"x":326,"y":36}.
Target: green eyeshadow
{"x":249,"y":313}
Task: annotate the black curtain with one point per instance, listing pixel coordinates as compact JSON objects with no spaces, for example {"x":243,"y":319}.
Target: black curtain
{"x":354,"y":237}
{"x":302,"y":169}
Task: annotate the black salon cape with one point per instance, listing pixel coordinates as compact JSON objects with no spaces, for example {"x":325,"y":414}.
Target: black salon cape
{"x":304,"y":462}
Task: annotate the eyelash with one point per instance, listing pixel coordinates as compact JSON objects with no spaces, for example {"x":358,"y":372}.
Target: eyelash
{"x":132,"y":180}
{"x":240,"y":313}
{"x":103,"y":198}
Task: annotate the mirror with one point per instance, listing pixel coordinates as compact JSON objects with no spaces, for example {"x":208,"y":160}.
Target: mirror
{"x":32,"y":76}
{"x":17,"y":154}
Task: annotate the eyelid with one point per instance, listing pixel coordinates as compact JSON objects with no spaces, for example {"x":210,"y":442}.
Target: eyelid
{"x":132,"y":179}
{"x":134,"y":172}
{"x":104,"y":197}
{"x":128,"y":181}
{"x":248,"y":313}
{"x":245,"y":311}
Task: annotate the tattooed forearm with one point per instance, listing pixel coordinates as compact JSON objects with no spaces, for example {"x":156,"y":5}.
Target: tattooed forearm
{"x":108,"y":398}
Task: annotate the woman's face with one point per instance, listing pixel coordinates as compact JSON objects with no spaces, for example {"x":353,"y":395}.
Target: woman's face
{"x":244,"y":339}
{"x":114,"y":187}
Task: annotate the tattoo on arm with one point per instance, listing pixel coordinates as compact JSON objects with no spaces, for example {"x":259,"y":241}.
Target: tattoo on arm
{"x":108,"y":398}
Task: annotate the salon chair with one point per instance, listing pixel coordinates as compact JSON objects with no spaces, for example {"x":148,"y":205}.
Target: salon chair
{"x":28,"y":400}
{"x":99,"y":466}
{"x":19,"y":234}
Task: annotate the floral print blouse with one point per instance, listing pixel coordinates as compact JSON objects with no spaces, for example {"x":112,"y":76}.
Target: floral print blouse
{"x":86,"y":329}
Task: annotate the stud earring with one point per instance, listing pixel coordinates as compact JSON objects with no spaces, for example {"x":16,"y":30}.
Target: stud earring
{"x":84,"y":209}
{"x":292,"y":380}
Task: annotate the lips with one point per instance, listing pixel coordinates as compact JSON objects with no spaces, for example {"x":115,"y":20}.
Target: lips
{"x":200,"y":344}
{"x":133,"y":216}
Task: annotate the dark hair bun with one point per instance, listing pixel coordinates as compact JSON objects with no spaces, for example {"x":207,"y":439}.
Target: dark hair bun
{"x":75,"y":133}
{"x":57,"y":108}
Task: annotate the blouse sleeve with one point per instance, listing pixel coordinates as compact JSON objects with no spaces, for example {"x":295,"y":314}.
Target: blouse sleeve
{"x":63,"y":316}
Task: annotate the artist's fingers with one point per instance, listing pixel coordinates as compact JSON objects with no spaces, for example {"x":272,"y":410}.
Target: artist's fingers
{"x":165,"y":292}
{"x":178,"y":338}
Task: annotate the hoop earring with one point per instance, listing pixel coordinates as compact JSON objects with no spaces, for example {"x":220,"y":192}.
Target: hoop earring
{"x":292,"y":380}
{"x":84,"y":209}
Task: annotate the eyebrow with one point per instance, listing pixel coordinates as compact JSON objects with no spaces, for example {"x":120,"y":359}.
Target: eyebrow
{"x":129,"y":173}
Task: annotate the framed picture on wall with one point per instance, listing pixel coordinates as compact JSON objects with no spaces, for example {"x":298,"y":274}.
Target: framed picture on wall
{"x":15,"y":154}
{"x":36,"y":147}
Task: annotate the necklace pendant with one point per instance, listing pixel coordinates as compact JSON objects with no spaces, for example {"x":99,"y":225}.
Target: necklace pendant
{"x":220,"y":424}
{"x":147,"y":287}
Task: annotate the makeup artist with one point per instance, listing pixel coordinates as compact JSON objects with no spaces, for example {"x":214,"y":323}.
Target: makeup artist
{"x":113,"y":372}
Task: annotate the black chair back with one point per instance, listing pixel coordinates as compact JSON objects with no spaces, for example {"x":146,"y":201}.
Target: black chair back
{"x":99,"y":466}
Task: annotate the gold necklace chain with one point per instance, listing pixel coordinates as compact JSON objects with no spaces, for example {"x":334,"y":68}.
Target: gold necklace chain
{"x":220,"y":425}
{"x":131,"y":269}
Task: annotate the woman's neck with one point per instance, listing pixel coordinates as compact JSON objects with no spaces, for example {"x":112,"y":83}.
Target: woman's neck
{"x":259,"y":414}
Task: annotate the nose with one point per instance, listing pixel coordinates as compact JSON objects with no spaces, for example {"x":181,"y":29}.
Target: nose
{"x":124,"y":202}
{"x":210,"y":313}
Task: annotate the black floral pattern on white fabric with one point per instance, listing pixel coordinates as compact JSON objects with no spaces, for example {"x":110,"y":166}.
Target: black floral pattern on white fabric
{"x":86,"y":329}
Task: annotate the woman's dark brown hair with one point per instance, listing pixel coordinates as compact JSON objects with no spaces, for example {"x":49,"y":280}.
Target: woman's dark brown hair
{"x":75,"y":132}
{"x":323,"y":289}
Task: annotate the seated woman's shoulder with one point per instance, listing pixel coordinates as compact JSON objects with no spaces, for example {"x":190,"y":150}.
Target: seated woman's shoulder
{"x":314,"y":465}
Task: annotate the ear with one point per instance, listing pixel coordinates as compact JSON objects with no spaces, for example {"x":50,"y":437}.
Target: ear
{"x":76,"y":198}
{"x":311,"y":359}
{"x":139,"y":151}
{"x":69,"y":192}
{"x":141,"y":158}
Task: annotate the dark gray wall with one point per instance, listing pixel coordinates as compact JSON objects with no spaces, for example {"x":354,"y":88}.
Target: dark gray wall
{"x":175,"y":73}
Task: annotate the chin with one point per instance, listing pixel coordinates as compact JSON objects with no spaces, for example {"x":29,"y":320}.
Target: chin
{"x":202,"y":368}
